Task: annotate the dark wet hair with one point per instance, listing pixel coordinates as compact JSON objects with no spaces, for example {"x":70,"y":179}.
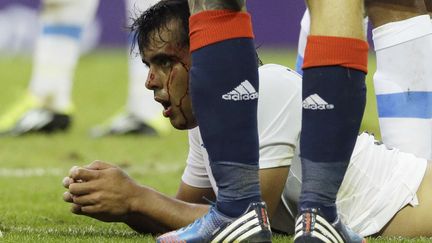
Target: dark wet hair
{"x":145,"y":27}
{"x":157,"y":18}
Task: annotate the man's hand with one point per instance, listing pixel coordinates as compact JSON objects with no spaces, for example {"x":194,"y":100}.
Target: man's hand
{"x":101,"y":191}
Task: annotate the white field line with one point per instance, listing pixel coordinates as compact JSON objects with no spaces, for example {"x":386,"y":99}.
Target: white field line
{"x":30,"y":172}
{"x":92,"y":231}
{"x":39,"y":172}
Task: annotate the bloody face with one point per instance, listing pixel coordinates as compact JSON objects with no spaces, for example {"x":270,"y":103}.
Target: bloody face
{"x":169,"y":76}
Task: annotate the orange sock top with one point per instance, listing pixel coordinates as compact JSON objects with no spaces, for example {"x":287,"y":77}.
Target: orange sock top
{"x":209,"y":27}
{"x":336,"y":51}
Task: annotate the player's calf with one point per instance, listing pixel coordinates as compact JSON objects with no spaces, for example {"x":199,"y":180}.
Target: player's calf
{"x":334,"y":96}
{"x":402,"y":30}
{"x":224,"y":92}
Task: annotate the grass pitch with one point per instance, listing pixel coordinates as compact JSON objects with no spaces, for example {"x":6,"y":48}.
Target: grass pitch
{"x":32,"y":167}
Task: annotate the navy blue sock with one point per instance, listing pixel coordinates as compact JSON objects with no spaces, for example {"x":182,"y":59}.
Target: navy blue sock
{"x":334,"y":98}
{"x":224,"y":92}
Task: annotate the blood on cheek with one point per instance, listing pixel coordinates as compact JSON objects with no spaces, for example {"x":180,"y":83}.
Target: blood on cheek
{"x":171,"y":77}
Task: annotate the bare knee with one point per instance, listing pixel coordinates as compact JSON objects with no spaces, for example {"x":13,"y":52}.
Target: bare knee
{"x":381,"y":12}
{"x":337,"y":18}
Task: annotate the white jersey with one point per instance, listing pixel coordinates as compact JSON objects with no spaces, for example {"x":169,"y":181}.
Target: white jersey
{"x":378,"y":183}
{"x":279,"y":122}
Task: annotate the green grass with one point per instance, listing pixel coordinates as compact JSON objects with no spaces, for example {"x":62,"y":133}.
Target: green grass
{"x":31,"y":206}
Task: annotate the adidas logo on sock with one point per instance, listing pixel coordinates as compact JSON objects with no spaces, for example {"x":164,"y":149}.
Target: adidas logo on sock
{"x":245,"y":91}
{"x":315,"y":102}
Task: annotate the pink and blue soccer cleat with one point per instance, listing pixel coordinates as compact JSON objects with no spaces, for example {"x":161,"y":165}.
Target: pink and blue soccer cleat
{"x":251,"y":226}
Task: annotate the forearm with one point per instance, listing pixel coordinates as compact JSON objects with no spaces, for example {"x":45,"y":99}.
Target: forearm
{"x":143,"y":224}
{"x":155,"y":212}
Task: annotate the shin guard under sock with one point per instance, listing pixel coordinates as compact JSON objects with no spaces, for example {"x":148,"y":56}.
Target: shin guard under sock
{"x":224,"y":92}
{"x":334,"y":96}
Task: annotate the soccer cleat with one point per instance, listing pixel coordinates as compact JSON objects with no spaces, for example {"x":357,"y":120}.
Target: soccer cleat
{"x":312,"y":227}
{"x":128,"y":124}
{"x":30,"y":114}
{"x":251,"y":226}
{"x":39,"y":120}
{"x":17,"y":110}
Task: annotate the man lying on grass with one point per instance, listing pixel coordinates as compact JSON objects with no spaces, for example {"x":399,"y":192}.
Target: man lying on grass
{"x":377,"y":196}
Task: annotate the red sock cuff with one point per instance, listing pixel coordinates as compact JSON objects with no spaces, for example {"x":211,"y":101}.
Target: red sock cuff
{"x":209,"y":27}
{"x":336,"y":51}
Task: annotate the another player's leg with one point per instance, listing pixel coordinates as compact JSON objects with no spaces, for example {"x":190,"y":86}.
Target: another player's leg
{"x":334,"y":96}
{"x":303,"y":35}
{"x":141,"y":115}
{"x":403,"y":80}
{"x":224,"y":85}
{"x":47,"y":107}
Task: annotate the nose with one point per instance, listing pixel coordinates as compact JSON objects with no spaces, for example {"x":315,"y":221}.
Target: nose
{"x":151,"y":82}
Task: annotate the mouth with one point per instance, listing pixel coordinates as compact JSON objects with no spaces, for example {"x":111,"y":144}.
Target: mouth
{"x":167,"y":110}
{"x":166,"y":105}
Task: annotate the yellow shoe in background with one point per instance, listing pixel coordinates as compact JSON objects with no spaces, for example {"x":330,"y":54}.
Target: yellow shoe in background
{"x":162,"y":125}
{"x":10,"y":118}
{"x":29,"y":115}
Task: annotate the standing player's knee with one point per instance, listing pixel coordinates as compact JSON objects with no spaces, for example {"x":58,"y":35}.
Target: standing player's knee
{"x":337,"y":18}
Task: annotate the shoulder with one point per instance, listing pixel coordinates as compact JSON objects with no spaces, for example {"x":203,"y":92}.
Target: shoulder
{"x":278,"y":78}
{"x":279,"y":110}
{"x":272,"y":69}
{"x":279,"y":85}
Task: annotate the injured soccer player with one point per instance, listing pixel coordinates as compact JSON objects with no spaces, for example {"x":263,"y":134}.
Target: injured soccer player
{"x":384,"y":191}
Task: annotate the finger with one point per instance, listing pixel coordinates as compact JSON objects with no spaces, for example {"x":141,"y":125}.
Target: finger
{"x":67,"y":181}
{"x":67,"y":197}
{"x":85,"y":200}
{"x":76,"y":209}
{"x":92,"y":209}
{"x":83,"y":188}
{"x":98,"y":165}
{"x":83,"y":174}
{"x":72,"y":170}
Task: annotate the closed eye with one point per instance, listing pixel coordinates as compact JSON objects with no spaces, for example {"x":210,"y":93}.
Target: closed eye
{"x":163,"y":61}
